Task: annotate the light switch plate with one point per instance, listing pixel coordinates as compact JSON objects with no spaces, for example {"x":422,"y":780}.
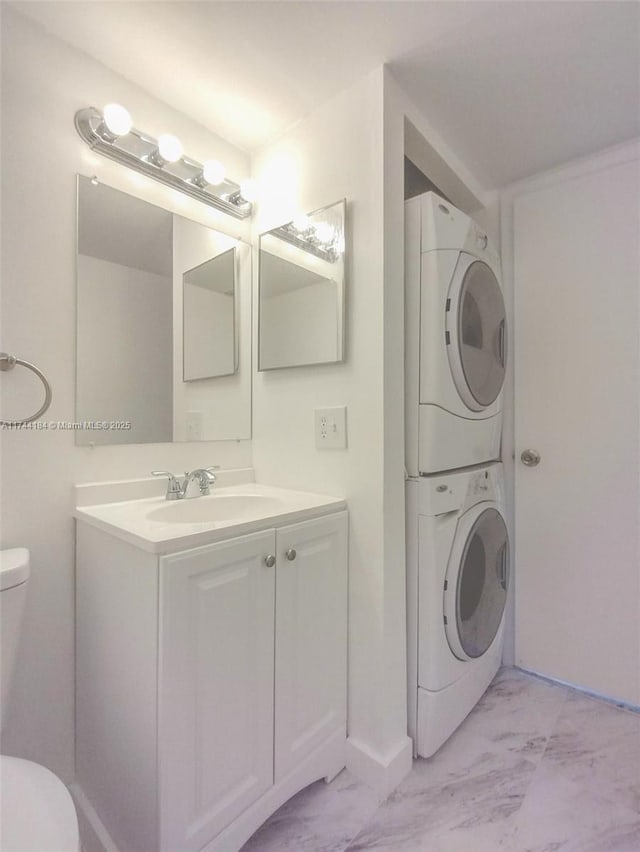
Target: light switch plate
{"x":194,"y":425}
{"x":331,"y":428}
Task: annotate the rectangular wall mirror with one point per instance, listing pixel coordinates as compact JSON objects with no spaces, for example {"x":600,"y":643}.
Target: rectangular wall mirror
{"x":208,"y":327}
{"x":302,"y":291}
{"x":163,"y":324}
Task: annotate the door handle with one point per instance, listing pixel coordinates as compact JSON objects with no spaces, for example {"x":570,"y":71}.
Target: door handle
{"x":503,"y":567}
{"x":530,"y":458}
{"x":502,"y":354}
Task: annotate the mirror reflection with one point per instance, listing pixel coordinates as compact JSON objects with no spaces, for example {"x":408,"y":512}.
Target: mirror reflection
{"x":208,"y":318}
{"x":163,"y":324}
{"x":302,"y":291}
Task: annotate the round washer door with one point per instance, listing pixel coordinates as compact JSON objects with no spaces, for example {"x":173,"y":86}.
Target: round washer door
{"x":476,"y":333}
{"x":475,"y":592}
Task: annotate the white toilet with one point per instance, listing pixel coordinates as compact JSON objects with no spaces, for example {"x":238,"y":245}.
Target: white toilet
{"x":38,"y":814}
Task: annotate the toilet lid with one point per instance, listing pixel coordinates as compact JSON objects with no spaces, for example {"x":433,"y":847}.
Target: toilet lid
{"x":38,"y":814}
{"x":14,"y":567}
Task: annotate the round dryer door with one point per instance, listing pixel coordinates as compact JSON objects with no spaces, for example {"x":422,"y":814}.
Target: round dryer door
{"x":475,"y":592}
{"x":476,"y":326}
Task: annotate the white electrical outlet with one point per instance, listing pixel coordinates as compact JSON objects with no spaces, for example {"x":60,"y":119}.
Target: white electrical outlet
{"x":194,"y":425}
{"x":331,"y":428}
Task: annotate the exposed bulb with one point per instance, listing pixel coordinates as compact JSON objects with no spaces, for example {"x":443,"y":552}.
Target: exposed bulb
{"x":324,"y":232}
{"x":249,"y":190}
{"x":213,"y":172}
{"x":301,"y":224}
{"x":169,"y":148}
{"x":116,"y":119}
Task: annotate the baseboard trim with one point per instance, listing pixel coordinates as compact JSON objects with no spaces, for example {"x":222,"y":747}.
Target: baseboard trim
{"x":618,"y":702}
{"x":94,"y":837}
{"x":382,"y":773}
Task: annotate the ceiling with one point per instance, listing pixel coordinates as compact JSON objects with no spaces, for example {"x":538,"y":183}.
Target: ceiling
{"x":513,"y":87}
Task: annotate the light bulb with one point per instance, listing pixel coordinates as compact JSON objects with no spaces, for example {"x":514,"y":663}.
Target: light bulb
{"x":324,"y":232}
{"x":249,"y":190}
{"x":213,"y":172}
{"x":301,"y":224}
{"x":116,"y":119}
{"x":169,"y":148}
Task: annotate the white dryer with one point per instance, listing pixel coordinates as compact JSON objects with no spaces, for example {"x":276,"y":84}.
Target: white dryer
{"x":457,"y":582}
{"x":455,"y":335}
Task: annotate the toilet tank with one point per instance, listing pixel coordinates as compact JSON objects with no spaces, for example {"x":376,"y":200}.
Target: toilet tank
{"x":14,"y":573}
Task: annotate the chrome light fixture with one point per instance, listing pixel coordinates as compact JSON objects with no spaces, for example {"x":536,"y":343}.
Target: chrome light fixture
{"x":321,"y":239}
{"x":111,"y":133}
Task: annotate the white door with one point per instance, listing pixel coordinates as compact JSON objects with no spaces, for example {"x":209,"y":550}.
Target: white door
{"x":577,"y":387}
{"x":311,"y":638}
{"x":216,"y":686}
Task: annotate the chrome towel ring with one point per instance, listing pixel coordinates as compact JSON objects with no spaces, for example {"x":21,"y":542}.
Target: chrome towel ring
{"x":8,"y":362}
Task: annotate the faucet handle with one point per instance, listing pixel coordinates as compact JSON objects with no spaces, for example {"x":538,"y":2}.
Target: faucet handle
{"x":173,"y":486}
{"x":205,"y":477}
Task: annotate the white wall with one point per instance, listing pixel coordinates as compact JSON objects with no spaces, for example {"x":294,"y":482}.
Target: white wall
{"x":125,"y":351}
{"x":335,"y":153}
{"x":44,"y":83}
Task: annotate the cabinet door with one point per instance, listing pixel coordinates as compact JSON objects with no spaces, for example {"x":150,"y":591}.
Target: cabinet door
{"x":216,"y":687}
{"x":311,"y":637}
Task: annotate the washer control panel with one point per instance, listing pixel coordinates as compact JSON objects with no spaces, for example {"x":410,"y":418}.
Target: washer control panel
{"x":458,"y":490}
{"x":439,"y":495}
{"x":483,"y":485}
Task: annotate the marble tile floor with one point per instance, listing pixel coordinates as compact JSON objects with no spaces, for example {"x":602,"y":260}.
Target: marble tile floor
{"x":535,"y":767}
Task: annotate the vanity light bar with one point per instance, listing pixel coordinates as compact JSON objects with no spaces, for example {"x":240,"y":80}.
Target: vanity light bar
{"x":160,"y":159}
{"x":307,"y":239}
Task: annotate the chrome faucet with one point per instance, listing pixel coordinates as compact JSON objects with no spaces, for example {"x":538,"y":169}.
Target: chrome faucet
{"x":178,"y":486}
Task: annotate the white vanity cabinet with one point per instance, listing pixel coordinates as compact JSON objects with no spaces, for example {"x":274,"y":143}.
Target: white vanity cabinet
{"x":217,"y":630}
{"x":211,"y":682}
{"x":311,"y":638}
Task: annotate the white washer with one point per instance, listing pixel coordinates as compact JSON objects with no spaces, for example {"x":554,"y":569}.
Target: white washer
{"x":457,"y":582}
{"x":455,"y":336}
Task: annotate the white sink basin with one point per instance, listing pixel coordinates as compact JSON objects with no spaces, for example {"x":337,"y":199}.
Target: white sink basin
{"x":163,"y":526}
{"x":215,"y":509}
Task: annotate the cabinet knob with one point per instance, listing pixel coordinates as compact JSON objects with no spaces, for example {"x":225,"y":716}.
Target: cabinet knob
{"x":270,"y":560}
{"x":291,"y":554}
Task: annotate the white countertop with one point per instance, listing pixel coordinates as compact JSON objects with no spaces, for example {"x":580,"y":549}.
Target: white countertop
{"x":145,"y":522}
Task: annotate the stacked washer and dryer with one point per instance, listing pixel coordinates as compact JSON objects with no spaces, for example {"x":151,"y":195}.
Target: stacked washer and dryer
{"x":457,"y":542}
